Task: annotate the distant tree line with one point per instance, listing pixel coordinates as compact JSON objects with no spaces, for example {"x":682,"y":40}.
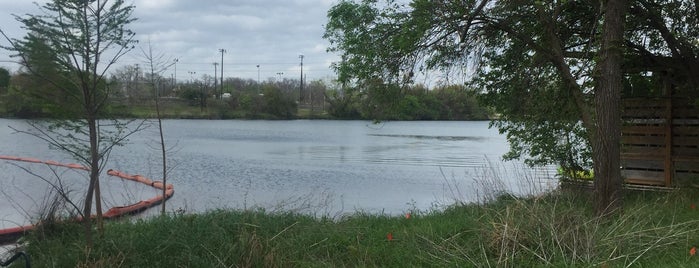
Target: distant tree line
{"x":385,"y":101}
{"x":248,"y":98}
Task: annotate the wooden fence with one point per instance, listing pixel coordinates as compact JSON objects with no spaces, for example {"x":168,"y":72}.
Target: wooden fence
{"x":660,"y":141}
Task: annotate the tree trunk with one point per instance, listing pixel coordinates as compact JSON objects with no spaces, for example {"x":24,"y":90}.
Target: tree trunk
{"x":94,"y":177}
{"x":98,"y":206}
{"x":162,"y":151}
{"x":606,"y":141}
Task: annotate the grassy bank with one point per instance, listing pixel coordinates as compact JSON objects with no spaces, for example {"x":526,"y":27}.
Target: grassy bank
{"x":655,"y":230}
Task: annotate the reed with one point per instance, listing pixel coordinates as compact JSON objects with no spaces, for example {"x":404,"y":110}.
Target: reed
{"x":552,"y":229}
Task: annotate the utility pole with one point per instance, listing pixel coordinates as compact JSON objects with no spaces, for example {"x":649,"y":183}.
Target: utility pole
{"x":174,"y":76}
{"x":216,"y":79}
{"x":259,"y":87}
{"x":136,"y":86}
{"x":222,"y":52}
{"x":301,"y":87}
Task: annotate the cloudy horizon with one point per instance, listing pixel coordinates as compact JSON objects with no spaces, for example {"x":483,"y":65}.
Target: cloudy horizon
{"x":271,"y":34}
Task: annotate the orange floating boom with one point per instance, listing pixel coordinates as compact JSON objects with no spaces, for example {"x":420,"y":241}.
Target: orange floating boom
{"x":10,"y":235}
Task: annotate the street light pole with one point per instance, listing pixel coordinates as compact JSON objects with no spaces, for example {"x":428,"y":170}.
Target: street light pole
{"x":174,"y":82}
{"x":280,"y":76}
{"x":301,"y":87}
{"x":258,"y":79}
{"x":222,"y":52}
{"x":191,"y":75}
{"x":216,"y":79}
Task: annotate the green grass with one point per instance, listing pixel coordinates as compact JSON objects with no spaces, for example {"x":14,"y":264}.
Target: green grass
{"x":558,"y":229}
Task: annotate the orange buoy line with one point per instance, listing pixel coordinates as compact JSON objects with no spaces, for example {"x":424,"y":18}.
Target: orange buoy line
{"x":12,"y":234}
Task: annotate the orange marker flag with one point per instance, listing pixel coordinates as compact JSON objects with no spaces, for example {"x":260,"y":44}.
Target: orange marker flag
{"x":389,"y":236}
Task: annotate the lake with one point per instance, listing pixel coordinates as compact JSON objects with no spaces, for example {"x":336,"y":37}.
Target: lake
{"x":320,"y":167}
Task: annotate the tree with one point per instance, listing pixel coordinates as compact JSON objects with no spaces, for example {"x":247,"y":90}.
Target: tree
{"x":78,"y":33}
{"x":277,"y":103}
{"x":126,"y":78}
{"x":548,"y":67}
{"x":156,"y":65}
{"x":36,"y":93}
{"x":4,"y":79}
{"x":606,"y":142}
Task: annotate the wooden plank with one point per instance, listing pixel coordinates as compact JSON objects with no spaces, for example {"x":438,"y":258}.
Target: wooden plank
{"x":684,"y":141}
{"x":657,"y":164}
{"x":685,"y":151}
{"x":643,"y":150}
{"x":686,"y":112}
{"x":643,"y":102}
{"x":644,"y":121}
{"x":685,"y":158}
{"x":686,"y":176}
{"x":643,"y":112}
{"x":644,"y":130}
{"x":643,"y":140}
{"x":644,"y":182}
{"x":687,"y":166}
{"x":678,"y":122}
{"x":642,"y":156}
{"x":684,"y":130}
{"x":685,"y":101}
{"x":643,"y":174}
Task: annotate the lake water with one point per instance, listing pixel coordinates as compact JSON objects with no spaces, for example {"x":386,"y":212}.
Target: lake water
{"x":318,"y":167}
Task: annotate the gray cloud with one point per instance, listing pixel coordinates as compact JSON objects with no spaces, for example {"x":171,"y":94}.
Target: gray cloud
{"x":269,"y":33}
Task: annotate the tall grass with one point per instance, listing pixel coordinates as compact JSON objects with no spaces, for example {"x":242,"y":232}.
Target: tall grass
{"x":557,"y":228}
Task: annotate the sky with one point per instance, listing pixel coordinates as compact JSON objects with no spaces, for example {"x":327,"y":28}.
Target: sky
{"x":268,"y":33}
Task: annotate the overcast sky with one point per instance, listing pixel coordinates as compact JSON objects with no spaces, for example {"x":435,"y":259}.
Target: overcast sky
{"x":269,"y":33}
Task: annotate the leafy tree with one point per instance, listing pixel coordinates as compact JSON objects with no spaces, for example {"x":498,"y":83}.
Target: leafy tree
{"x":4,"y":79}
{"x":277,"y":103}
{"x":77,"y":33}
{"x":192,"y":93}
{"x":343,"y":105}
{"x":37,"y":93}
{"x":458,"y":102}
{"x":547,"y":67}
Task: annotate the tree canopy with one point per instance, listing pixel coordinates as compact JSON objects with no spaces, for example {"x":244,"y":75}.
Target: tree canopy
{"x":4,"y":78}
{"x":544,"y":66}
{"x":533,"y":61}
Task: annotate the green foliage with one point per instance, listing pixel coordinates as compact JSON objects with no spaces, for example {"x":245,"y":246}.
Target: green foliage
{"x":536,"y":62}
{"x":66,"y":46}
{"x":459,"y":103}
{"x":4,"y":80}
{"x":191,"y":95}
{"x":46,"y":90}
{"x":343,"y":105}
{"x":277,"y":103}
{"x":18,"y":104}
{"x":62,"y":56}
{"x":568,"y":174}
{"x":656,"y":230}
{"x":377,"y":101}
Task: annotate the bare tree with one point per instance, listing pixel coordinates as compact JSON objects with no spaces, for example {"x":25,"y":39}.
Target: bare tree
{"x":157,"y":64}
{"x":127,"y":79}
